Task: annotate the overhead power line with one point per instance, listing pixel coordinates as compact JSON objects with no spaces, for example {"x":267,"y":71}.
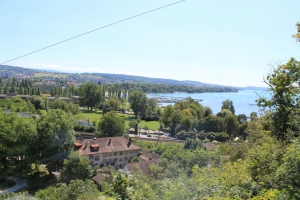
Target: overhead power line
{"x":117,"y":22}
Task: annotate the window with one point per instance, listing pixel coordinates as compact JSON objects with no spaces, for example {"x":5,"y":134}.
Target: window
{"x":104,"y":155}
{"x":125,"y":152}
{"x":126,"y":158}
{"x":110,"y":160}
{"x":120,"y":159}
{"x":130,"y":152}
{"x":116,"y":153}
{"x":136,"y":151}
{"x":130,"y":158}
{"x":115,"y":160}
{"x":110,"y":154}
{"x":121,"y":153}
{"x":104,"y":161}
{"x":96,"y":158}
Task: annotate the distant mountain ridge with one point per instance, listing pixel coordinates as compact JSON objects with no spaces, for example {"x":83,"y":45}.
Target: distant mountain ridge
{"x":13,"y":70}
{"x":143,"y":79}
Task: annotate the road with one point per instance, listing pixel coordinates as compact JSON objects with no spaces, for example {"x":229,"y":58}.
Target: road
{"x":20,"y":183}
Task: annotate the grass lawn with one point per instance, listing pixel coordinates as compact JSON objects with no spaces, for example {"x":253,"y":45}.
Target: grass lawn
{"x":153,"y":125}
{"x":96,"y":116}
{"x":92,"y":116}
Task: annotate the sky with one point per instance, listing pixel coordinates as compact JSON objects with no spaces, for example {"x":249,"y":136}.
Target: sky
{"x":232,"y":43}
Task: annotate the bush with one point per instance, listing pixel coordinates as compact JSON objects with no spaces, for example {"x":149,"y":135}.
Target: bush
{"x":78,"y":127}
{"x":6,"y":183}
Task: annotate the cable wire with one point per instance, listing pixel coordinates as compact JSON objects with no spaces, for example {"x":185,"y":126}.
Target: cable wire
{"x":117,"y":22}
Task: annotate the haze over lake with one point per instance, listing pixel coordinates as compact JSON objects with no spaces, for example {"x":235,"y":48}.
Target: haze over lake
{"x":243,"y":100}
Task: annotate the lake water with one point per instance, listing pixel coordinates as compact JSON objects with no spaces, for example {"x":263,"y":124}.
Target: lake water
{"x":243,"y":100}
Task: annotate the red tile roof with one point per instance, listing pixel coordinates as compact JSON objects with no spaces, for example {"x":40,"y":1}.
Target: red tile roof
{"x":77,"y":144}
{"x":146,"y":155}
{"x":106,"y":145}
{"x":144,"y":166}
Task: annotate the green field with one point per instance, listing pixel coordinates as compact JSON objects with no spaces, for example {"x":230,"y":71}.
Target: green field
{"x":91,"y":116}
{"x":96,"y":116}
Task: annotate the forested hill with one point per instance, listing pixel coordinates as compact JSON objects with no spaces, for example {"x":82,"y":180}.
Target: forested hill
{"x":7,"y":71}
{"x":143,"y":79}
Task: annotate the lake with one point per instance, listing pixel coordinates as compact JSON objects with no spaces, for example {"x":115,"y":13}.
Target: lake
{"x":243,"y":100}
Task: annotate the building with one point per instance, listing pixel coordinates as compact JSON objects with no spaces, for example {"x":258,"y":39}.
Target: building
{"x":148,"y":158}
{"x":116,"y":151}
{"x":10,"y":95}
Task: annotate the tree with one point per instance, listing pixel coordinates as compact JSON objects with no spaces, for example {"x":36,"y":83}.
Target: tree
{"x":283,"y":86}
{"x":253,"y":116}
{"x":232,"y":125}
{"x":105,"y":107}
{"x":297,"y":35}
{"x":55,"y":136}
{"x":241,"y":118}
{"x":76,"y":167}
{"x":289,"y":172}
{"x":207,"y":111}
{"x":17,"y":140}
{"x":114,"y":103}
{"x":90,"y":95}
{"x":213,"y":124}
{"x":138,"y":102}
{"x":120,"y":185}
{"x":77,"y":189}
{"x":135,"y":125}
{"x":111,"y":125}
{"x":227,"y":104}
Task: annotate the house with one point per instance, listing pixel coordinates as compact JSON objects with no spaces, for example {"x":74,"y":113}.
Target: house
{"x":148,"y":158}
{"x":98,"y":179}
{"x":116,"y":151}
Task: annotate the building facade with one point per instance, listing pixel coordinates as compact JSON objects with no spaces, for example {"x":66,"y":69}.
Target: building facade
{"x":116,"y":151}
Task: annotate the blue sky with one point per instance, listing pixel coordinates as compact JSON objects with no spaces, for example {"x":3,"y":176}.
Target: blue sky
{"x":221,"y":42}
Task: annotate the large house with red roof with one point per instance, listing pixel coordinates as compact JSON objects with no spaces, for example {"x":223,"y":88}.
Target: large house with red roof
{"x":116,"y":151}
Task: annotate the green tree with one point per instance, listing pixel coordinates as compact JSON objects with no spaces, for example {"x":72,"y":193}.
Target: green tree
{"x":120,"y":185}
{"x":76,"y":167}
{"x":241,"y":118}
{"x":207,"y":111}
{"x":138,"y":102}
{"x":284,"y":89}
{"x":232,"y":125}
{"x":114,"y":103}
{"x":253,"y":116}
{"x":75,"y":190}
{"x":111,"y":125}
{"x":18,"y":138}
{"x":227,"y":104}
{"x":55,"y":136}
{"x":288,"y":173}
{"x":213,"y":124}
{"x":90,"y":95}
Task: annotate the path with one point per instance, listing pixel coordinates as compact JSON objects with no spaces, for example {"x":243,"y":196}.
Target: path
{"x":20,"y":183}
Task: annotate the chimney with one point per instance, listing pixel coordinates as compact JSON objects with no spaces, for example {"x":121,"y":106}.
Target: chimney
{"x":109,"y":141}
{"x":129,"y":142}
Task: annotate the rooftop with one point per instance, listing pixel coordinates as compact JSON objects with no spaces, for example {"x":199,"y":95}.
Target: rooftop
{"x":105,"y":145}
